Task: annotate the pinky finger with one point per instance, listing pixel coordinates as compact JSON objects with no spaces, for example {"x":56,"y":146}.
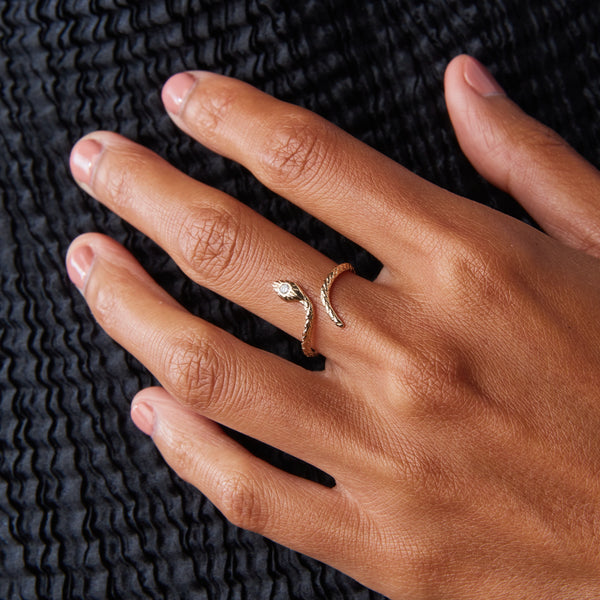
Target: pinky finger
{"x":251,"y":493}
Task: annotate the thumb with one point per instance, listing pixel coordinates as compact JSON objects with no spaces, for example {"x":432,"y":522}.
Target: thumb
{"x":559,"y":188}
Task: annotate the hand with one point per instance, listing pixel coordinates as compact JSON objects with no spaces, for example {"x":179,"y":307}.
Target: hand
{"x":459,"y":409}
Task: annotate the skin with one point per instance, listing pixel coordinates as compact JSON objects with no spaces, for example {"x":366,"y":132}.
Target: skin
{"x":459,"y":408}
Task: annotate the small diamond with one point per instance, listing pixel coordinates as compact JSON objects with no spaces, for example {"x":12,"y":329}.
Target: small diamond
{"x":284,"y":288}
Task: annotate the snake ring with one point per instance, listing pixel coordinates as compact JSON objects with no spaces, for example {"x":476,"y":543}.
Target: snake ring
{"x":326,"y":290}
{"x":292,"y":292}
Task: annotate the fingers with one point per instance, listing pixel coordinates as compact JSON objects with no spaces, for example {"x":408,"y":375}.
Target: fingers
{"x":208,"y":370}
{"x":345,"y":183}
{"x":216,"y":240}
{"x":523,"y":157}
{"x":251,"y":493}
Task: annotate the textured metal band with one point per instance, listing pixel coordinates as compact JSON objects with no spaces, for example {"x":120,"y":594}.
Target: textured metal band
{"x":292,"y":292}
{"x":326,"y":291}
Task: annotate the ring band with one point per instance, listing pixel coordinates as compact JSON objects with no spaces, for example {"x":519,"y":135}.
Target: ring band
{"x":292,"y":292}
{"x":326,"y":291}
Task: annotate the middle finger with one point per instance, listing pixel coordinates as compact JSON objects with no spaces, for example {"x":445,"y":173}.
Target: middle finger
{"x":356,"y":190}
{"x":218,"y":241}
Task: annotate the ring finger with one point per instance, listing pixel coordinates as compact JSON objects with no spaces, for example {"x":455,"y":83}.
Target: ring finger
{"x":209,"y":370}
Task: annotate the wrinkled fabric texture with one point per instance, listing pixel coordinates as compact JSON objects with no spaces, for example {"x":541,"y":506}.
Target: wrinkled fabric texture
{"x":88,"y":508}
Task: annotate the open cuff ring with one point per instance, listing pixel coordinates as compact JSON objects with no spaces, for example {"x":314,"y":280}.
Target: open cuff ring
{"x":292,"y":292}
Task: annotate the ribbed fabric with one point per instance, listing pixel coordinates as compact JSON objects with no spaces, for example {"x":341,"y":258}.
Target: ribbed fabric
{"x":88,"y":509}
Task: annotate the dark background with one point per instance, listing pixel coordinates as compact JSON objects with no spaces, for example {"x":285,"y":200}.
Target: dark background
{"x":88,"y":509}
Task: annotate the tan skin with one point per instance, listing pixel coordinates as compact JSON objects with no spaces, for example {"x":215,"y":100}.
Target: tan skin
{"x":459,"y":409}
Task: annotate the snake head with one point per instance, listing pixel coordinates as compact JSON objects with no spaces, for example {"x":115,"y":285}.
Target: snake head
{"x":288,"y":290}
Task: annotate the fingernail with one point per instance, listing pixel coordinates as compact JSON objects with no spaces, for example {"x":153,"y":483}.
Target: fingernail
{"x":480,"y":79}
{"x":83,"y":160}
{"x":176,"y":89}
{"x":79,"y":263}
{"x":142,"y":414}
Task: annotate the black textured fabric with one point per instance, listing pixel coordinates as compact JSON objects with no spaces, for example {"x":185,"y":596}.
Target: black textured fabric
{"x":88,"y":509}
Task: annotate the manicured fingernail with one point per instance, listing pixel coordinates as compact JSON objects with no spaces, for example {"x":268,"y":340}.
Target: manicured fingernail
{"x":176,"y":89}
{"x":84,"y":158}
{"x":480,"y":79}
{"x":142,"y":414}
{"x":79,"y":263}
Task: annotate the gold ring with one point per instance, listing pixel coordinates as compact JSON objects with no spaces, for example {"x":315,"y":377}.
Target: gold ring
{"x":326,"y":291}
{"x":292,"y":292}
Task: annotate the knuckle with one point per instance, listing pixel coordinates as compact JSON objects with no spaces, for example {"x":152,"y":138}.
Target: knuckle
{"x":106,"y":301}
{"x":239,"y":499}
{"x":111,"y":296}
{"x":195,"y":372}
{"x":425,"y":561}
{"x":517,"y":135}
{"x":588,"y":238}
{"x":437,"y":381}
{"x":210,"y":106}
{"x":184,"y":458}
{"x":295,"y":152}
{"x":538,"y":138}
{"x":121,"y":182}
{"x":211,"y":242}
{"x":536,"y":149}
{"x":479,"y":276}
{"x":524,"y":148}
{"x":418,"y":554}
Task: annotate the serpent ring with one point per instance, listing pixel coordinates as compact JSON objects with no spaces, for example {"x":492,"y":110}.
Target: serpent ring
{"x":326,"y":290}
{"x":292,"y":292}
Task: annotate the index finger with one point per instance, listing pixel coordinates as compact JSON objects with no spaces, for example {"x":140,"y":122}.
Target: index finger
{"x":350,"y":186}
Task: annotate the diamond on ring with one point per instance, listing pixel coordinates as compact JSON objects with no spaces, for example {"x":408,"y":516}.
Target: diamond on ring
{"x":291,"y":292}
